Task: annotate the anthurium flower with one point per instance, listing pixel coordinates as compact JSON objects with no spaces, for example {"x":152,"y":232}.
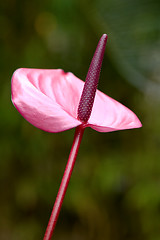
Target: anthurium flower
{"x":55,"y":101}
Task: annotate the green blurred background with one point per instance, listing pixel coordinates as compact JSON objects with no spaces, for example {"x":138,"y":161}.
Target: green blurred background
{"x":114,"y":192}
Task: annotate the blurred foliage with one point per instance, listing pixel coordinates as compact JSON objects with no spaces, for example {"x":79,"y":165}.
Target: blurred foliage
{"x":114,"y":192}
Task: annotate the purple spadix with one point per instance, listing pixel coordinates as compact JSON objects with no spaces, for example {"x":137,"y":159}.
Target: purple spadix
{"x":91,"y":82}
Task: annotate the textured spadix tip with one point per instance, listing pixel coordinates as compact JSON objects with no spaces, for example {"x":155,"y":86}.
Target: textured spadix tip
{"x":91,"y":83}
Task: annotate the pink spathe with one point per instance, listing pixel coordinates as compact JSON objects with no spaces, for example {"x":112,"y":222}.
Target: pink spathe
{"x":49,"y":100}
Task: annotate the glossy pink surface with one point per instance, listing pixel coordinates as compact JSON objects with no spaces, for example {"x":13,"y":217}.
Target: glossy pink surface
{"x":49,"y":99}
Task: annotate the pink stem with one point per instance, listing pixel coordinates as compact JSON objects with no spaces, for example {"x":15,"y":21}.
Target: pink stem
{"x":64,"y":183}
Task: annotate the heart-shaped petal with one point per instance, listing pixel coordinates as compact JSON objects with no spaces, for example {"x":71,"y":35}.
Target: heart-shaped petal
{"x":47,"y":99}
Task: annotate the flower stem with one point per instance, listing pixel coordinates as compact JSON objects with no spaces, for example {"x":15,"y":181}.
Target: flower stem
{"x":64,"y":183}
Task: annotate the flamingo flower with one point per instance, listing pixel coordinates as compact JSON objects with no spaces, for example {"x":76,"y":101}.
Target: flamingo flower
{"x":55,"y":101}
